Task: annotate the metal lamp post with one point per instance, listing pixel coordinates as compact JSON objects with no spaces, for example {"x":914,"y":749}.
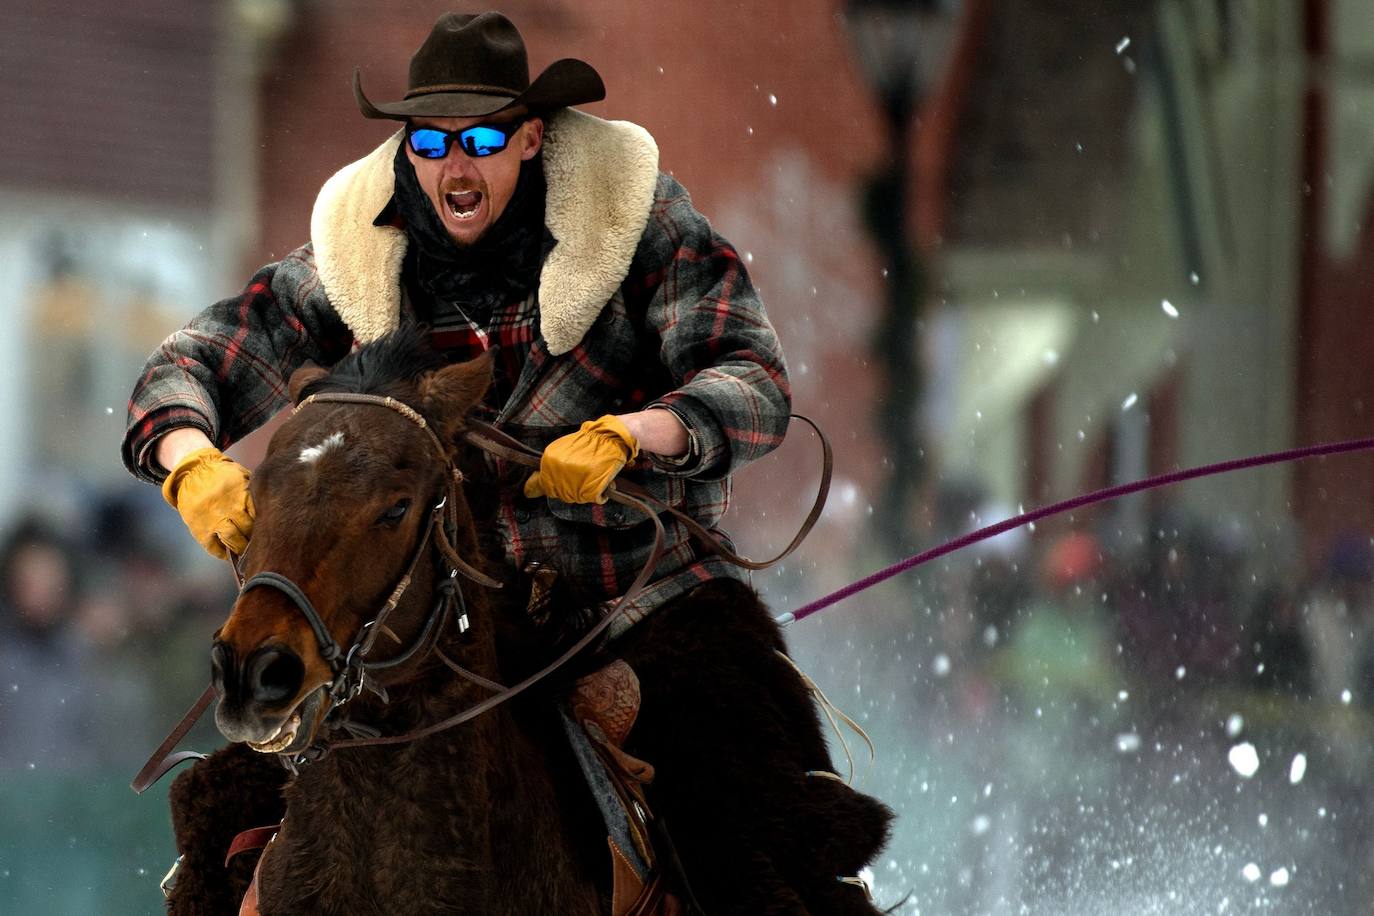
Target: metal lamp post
{"x":888,"y":37}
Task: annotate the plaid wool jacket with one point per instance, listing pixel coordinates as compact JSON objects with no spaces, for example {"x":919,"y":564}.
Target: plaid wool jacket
{"x":639,"y":303}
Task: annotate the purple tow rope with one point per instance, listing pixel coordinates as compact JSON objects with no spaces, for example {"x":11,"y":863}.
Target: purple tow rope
{"x":1068,"y":505}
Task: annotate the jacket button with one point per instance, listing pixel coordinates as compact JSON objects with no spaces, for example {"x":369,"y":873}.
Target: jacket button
{"x":617,"y":516}
{"x":522,"y":515}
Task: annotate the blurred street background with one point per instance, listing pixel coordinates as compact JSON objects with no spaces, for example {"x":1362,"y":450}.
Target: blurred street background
{"x":1015,"y":249}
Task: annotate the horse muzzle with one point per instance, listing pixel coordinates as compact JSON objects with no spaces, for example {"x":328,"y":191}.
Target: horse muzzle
{"x":260,"y":700}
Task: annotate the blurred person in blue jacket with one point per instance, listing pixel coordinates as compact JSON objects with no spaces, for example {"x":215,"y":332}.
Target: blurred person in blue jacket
{"x":45,"y":704}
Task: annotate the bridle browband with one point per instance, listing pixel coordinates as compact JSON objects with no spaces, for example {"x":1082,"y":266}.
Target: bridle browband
{"x":350,"y":668}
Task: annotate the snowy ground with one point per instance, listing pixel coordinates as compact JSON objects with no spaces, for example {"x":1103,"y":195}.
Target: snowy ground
{"x":1180,"y":801}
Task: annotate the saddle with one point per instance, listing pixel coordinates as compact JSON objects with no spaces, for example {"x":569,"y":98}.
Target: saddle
{"x":597,"y":717}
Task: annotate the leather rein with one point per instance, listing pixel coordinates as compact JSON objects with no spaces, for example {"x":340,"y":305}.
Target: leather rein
{"x":351,"y":668}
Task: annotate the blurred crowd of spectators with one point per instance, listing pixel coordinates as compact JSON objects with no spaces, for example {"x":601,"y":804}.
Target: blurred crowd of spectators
{"x":105,"y":626}
{"x":1184,"y":603}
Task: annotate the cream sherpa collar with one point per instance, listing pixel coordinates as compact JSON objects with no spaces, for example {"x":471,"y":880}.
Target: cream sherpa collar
{"x":601,"y":177}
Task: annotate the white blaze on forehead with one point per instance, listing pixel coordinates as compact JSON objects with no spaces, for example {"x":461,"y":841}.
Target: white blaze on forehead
{"x":315,"y":452}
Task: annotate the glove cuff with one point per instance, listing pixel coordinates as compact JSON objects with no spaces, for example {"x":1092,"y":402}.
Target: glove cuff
{"x":188,"y":463}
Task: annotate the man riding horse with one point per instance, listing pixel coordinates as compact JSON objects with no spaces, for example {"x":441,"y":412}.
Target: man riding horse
{"x":623,"y":332}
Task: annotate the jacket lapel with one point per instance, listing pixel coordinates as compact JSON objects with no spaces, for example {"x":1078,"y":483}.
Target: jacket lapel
{"x":601,"y":177}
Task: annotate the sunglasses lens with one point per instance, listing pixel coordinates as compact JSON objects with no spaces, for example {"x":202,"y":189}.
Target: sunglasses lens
{"x":428,"y":143}
{"x":482,"y":140}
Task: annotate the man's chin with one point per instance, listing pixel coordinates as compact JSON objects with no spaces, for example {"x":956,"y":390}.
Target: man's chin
{"x":464,"y":241}
{"x":463,"y":235}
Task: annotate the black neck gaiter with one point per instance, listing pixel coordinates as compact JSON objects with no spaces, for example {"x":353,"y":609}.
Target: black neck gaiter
{"x":500,"y":267}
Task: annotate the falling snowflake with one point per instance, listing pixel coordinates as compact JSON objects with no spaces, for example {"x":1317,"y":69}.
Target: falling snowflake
{"x":1244,"y":759}
{"x":1127,"y":743}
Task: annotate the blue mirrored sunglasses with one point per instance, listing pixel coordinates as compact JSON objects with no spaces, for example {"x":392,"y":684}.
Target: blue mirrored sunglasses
{"x":476,"y":141}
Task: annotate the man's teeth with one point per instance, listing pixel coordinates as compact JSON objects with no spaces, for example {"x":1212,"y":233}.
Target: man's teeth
{"x":282,"y":739}
{"x":464,"y":205}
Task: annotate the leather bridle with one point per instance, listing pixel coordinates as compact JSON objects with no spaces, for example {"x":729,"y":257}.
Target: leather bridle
{"x":350,"y":668}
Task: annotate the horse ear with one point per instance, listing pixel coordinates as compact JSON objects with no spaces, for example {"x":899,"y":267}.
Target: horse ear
{"x":302,"y":377}
{"x":448,"y":394}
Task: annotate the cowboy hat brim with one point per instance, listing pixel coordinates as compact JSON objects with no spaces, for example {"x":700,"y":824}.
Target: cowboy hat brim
{"x":563,"y":83}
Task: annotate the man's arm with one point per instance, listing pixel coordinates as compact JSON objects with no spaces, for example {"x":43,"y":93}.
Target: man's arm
{"x":658,"y":431}
{"x":732,"y":399}
{"x":225,"y":373}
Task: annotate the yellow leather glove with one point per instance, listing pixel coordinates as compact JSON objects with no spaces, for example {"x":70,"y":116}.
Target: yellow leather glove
{"x":578,"y":467}
{"x":210,"y":491}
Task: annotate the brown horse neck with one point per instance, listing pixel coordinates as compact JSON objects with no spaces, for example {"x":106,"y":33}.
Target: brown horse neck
{"x":425,"y":826}
{"x":356,"y":813}
{"x":407,"y":825}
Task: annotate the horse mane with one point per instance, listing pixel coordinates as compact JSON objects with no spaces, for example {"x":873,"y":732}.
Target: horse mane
{"x":389,"y":366}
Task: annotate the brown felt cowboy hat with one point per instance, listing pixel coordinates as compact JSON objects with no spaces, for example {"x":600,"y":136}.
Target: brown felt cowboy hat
{"x":472,"y":65}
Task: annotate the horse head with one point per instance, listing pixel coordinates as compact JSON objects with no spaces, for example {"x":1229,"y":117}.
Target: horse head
{"x":347,"y":499}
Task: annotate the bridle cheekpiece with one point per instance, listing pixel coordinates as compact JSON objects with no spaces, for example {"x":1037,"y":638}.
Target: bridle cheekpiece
{"x":351,"y":670}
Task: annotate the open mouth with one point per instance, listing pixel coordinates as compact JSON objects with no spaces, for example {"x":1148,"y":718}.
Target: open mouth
{"x":463,"y":204}
{"x":290,"y":737}
{"x":282,"y":739}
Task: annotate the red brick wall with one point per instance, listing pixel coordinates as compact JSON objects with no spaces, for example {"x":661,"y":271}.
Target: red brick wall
{"x":111,"y":99}
{"x":1336,"y":396}
{"x":1335,"y":496}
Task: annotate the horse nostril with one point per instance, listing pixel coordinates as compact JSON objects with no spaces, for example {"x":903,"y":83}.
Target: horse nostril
{"x":221,"y":665}
{"x":275,"y":675}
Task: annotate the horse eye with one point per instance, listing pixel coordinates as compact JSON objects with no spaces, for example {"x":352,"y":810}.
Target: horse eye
{"x":395,"y":513}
